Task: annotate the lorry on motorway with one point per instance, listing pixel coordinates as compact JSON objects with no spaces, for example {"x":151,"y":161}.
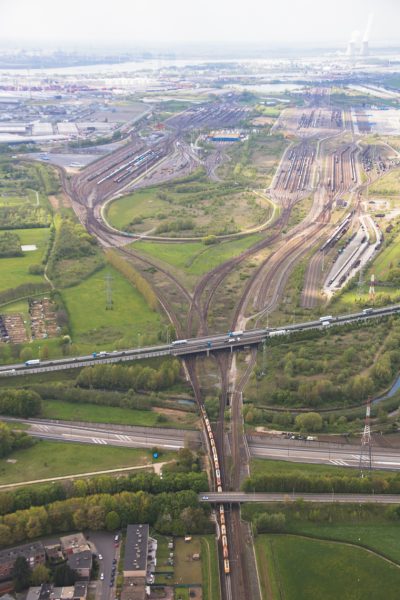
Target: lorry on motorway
{"x":235,"y":333}
{"x":327,"y":318}
{"x":32,"y":362}
{"x":277,"y":332}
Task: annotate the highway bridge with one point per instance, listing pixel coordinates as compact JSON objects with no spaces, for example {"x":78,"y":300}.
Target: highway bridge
{"x":240,"y":497}
{"x":195,"y":346}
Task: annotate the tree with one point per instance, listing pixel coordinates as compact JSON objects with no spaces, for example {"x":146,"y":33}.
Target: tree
{"x":309,"y":422}
{"x":39,"y":575}
{"x":112,"y":521}
{"x":21,"y":574}
{"x":44,"y":352}
{"x":64,"y":575}
{"x":6,"y":441}
{"x":26,"y":354}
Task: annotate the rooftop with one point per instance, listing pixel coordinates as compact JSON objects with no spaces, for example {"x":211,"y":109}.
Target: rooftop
{"x":137,"y":537}
{"x":27,"y":550}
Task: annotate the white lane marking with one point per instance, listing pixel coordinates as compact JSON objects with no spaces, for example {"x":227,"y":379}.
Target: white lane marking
{"x":338,"y":462}
{"x":40,"y":427}
{"x":123,"y":438}
{"x":99,"y":441}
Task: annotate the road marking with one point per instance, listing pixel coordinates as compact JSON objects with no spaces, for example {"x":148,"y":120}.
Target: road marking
{"x":99,"y":441}
{"x":123,"y":438}
{"x":41,"y":427}
{"x":338,"y":462}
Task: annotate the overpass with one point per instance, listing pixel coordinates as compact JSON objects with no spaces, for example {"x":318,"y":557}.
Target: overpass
{"x":240,"y":497}
{"x":195,"y":346}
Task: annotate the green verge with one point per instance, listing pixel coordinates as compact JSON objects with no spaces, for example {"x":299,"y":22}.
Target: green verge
{"x":92,"y":413}
{"x":310,"y":569}
{"x":55,"y":459}
{"x":94,"y":327}
{"x":209,"y":568}
{"x":264,"y":466}
{"x":194,"y":257}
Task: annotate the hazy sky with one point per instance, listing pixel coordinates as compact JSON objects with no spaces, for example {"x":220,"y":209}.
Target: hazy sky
{"x":93,"y":22}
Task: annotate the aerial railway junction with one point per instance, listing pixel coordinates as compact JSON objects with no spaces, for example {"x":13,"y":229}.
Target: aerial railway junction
{"x":142,"y":163}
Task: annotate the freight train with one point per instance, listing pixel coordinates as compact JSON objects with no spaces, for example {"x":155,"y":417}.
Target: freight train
{"x":218,"y":481}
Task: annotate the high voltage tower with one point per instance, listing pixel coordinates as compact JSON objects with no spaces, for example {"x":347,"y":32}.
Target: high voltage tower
{"x":366,"y":448}
{"x":108,"y":285}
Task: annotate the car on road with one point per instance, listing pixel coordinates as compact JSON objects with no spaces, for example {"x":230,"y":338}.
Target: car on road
{"x":100,"y":557}
{"x":102,"y":576}
{"x":205,"y":498}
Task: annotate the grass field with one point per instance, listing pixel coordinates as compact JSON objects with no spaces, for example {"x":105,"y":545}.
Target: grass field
{"x":196,"y":258}
{"x":383,"y":538}
{"x":389,"y":185}
{"x":14,"y":271}
{"x":94,"y":327}
{"x":92,"y":413}
{"x":54,"y":459}
{"x":261,"y":466}
{"x":187,"y":570}
{"x":304,"y":569}
{"x":206,"y":207}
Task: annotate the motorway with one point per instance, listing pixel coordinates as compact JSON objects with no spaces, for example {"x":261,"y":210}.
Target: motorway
{"x":173,"y":439}
{"x":238,"y":497}
{"x":322,"y":453}
{"x":112,"y":435}
{"x":194,"y":346}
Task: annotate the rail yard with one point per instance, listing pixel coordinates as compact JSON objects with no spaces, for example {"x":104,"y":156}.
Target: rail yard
{"x":306,"y":176}
{"x":309,"y":167}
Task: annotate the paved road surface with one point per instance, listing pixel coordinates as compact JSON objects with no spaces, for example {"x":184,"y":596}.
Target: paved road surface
{"x":173,"y":439}
{"x":340,"y":456}
{"x":228,"y":497}
{"x":104,"y":434}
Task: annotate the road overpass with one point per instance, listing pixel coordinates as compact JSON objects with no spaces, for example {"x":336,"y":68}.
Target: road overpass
{"x":195,"y":346}
{"x":240,"y":497}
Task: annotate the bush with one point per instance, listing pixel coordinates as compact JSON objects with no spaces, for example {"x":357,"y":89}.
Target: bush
{"x":270,"y":522}
{"x":309,"y":422}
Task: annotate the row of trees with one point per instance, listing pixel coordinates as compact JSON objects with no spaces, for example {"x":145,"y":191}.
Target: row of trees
{"x":300,"y":483}
{"x":20,"y":403}
{"x":170,"y":514}
{"x":25,"y":497}
{"x":13,"y":440}
{"x":64,"y":393}
{"x":23,"y":217}
{"x":23,"y":291}
{"x":119,"y":377}
{"x":133,"y":276}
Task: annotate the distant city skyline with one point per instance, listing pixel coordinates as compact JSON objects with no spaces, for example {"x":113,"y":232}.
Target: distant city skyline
{"x":124,"y":23}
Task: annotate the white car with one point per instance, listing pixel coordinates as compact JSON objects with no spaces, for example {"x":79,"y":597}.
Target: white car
{"x":102,"y":576}
{"x":100,"y":557}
